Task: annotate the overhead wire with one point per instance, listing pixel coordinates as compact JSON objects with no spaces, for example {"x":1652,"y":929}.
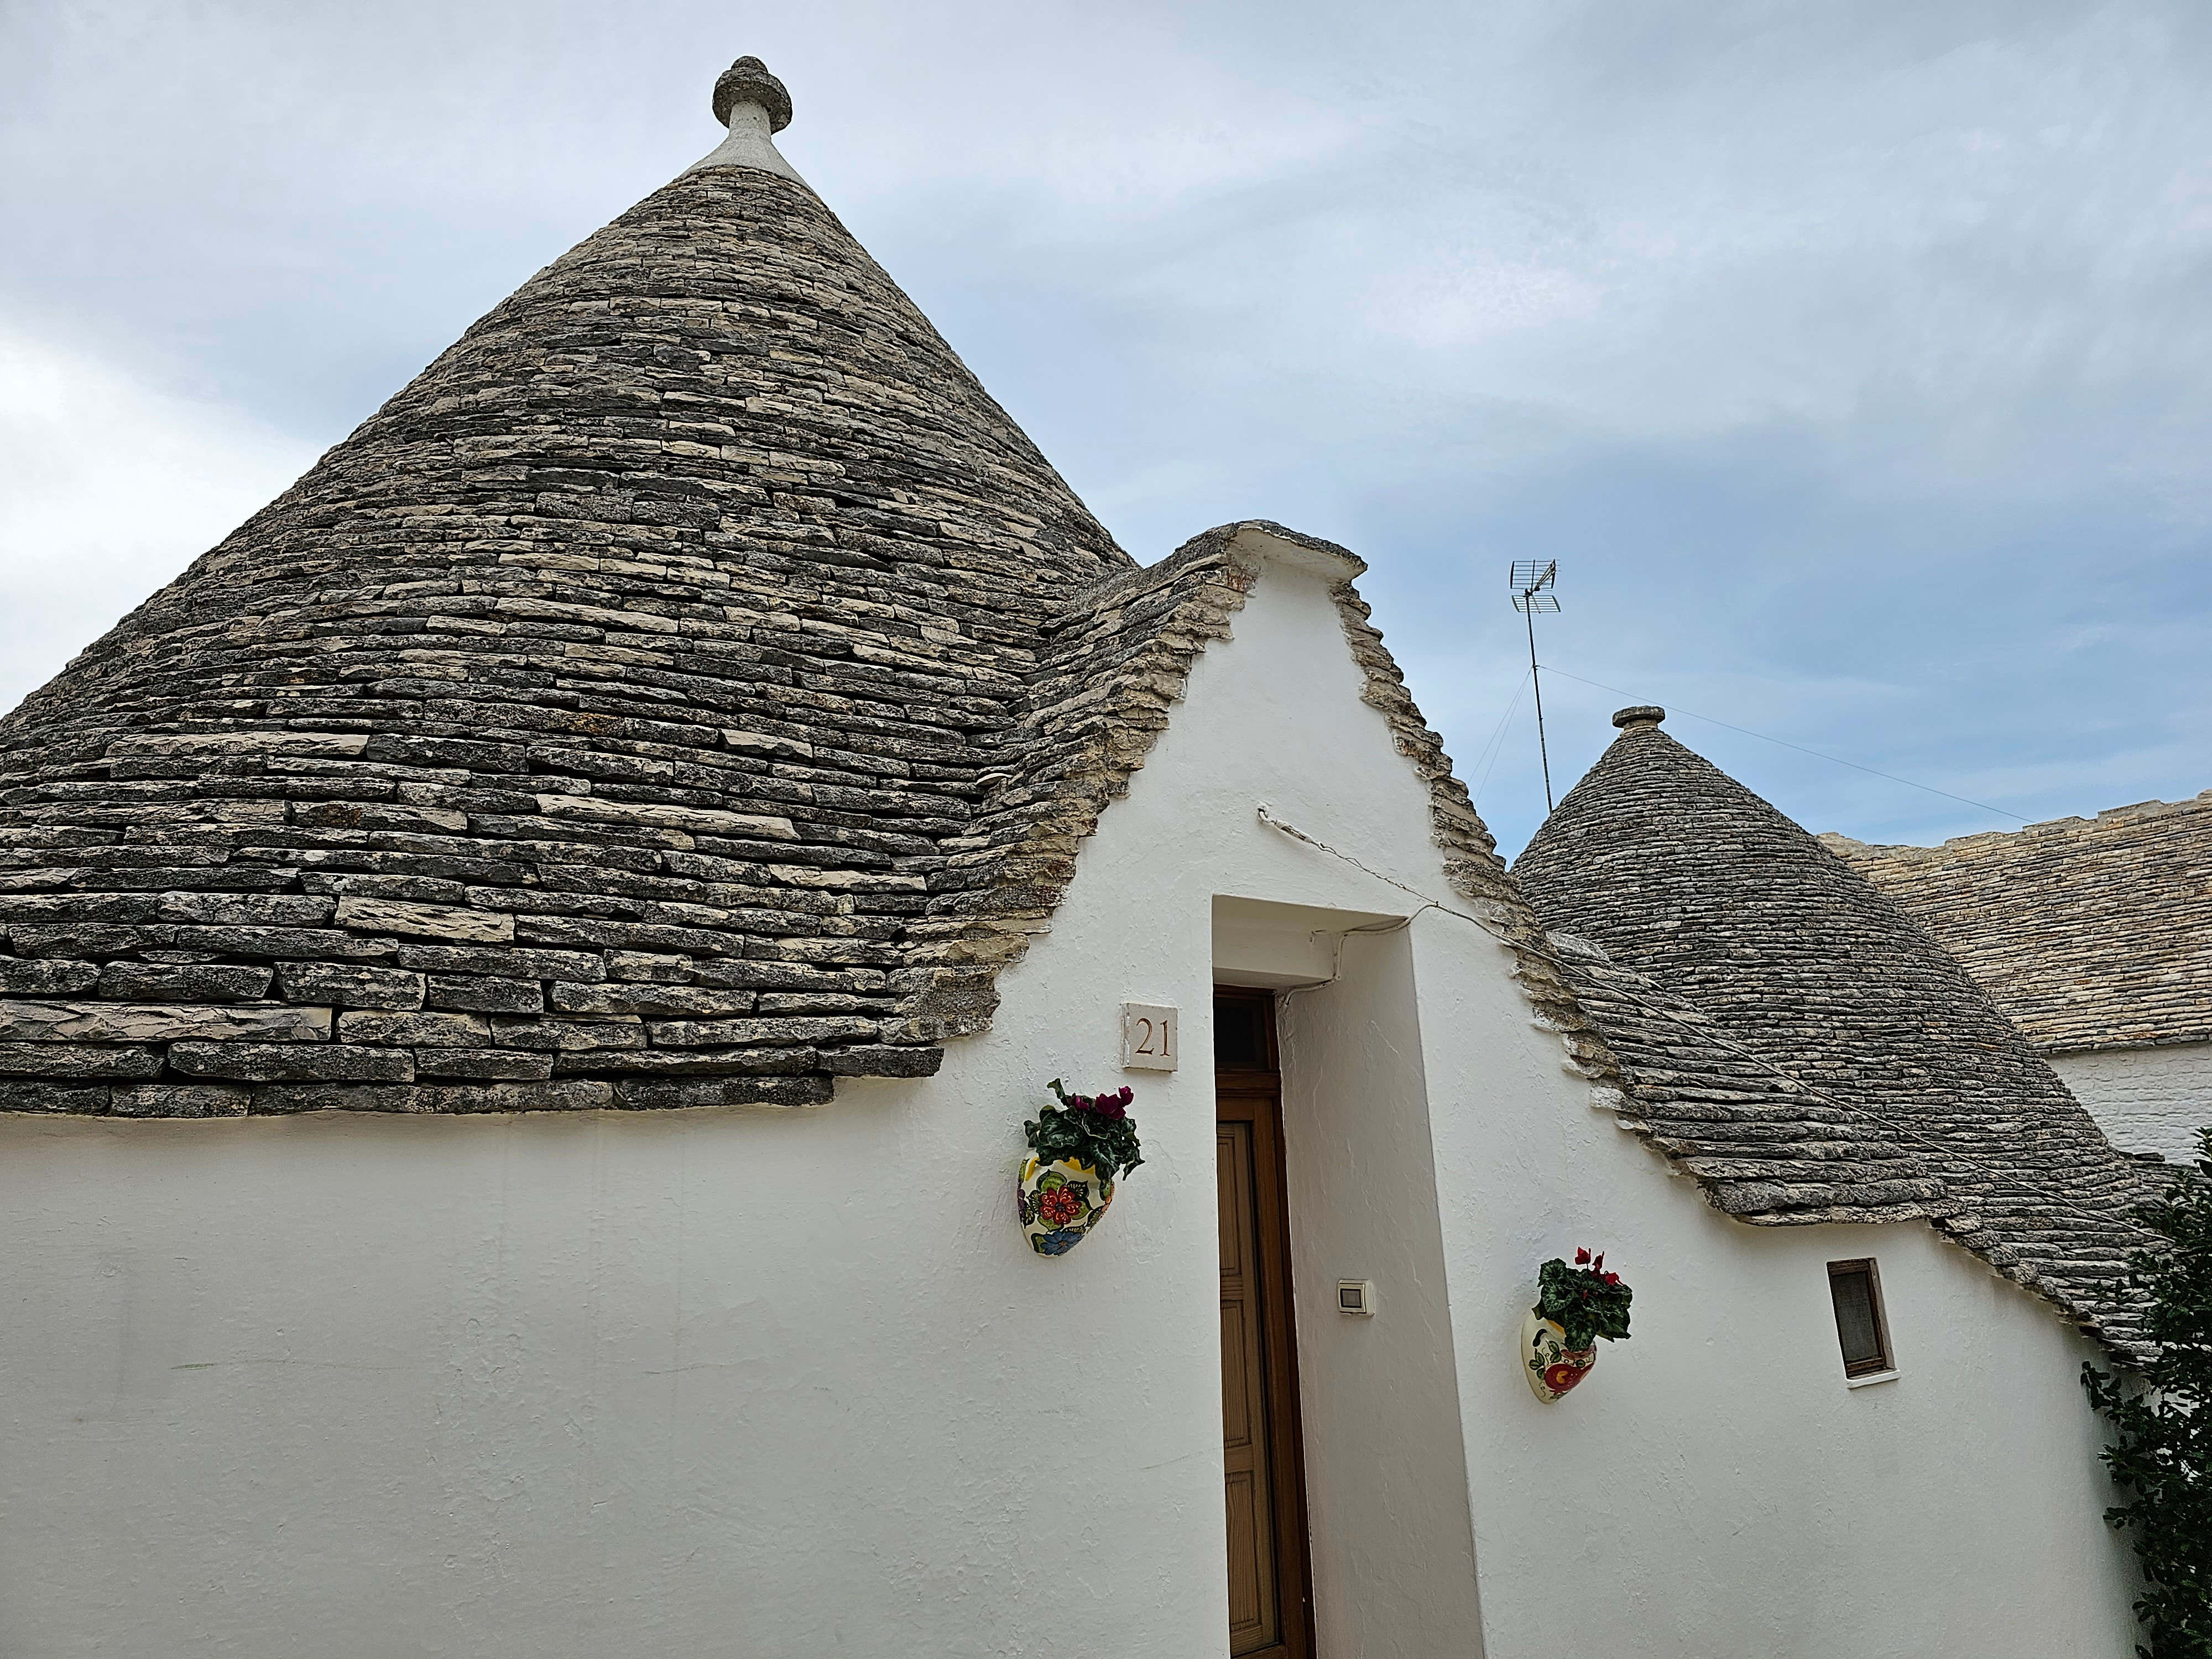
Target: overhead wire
{"x":1336,"y":950}
{"x":1979,"y":805}
{"x":1495,"y":746}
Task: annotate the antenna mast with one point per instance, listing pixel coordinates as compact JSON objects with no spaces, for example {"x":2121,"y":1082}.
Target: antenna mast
{"x":1532,"y":593}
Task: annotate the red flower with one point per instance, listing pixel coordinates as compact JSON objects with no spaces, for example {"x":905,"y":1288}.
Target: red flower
{"x":1582,"y":1258}
{"x":1059,"y":1206}
{"x":1113,"y":1107}
{"x":1562,"y":1377}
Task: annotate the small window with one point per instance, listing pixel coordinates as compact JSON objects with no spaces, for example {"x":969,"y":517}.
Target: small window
{"x":1243,"y":1029}
{"x":1856,"y":1288}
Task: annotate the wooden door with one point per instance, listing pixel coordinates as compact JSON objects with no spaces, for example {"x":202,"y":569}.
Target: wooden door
{"x":1270,"y":1593}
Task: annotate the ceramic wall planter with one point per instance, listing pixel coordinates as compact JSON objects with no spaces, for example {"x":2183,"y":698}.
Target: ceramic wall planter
{"x":1551,"y":1366}
{"x":1077,"y":1145}
{"x":1060,"y":1203}
{"x":1575,"y":1304}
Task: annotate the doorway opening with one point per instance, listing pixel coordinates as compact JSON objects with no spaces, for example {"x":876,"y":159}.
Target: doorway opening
{"x":1270,"y":1572}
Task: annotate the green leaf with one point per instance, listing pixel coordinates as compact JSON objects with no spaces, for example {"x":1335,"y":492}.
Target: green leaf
{"x":1581,"y":1303}
{"x":1063,"y":1134}
{"x":2162,"y":1454}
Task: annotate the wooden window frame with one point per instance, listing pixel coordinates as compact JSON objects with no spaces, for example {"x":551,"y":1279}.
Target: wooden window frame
{"x":1885,"y":1358}
{"x":1263,"y":1002}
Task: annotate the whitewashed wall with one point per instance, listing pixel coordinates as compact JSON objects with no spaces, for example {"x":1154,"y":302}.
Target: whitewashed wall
{"x":1393,"y":1538}
{"x":2146,"y":1100}
{"x":761,"y":1383}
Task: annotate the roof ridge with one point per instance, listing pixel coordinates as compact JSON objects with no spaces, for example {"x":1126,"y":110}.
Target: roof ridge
{"x":2131,"y":812}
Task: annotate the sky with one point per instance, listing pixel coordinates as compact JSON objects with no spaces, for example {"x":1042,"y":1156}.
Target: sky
{"x":1853,"y":362}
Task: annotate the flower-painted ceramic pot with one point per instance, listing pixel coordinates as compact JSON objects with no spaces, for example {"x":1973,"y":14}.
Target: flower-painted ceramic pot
{"x":1551,"y":1367}
{"x":1060,"y":1203}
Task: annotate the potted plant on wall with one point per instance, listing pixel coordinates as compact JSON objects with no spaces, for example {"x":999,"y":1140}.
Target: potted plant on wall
{"x":1575,"y":1306}
{"x":1077,"y":1148}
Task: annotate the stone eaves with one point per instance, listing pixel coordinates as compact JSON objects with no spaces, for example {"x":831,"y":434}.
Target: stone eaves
{"x":1767,"y":1149}
{"x":394,"y":992}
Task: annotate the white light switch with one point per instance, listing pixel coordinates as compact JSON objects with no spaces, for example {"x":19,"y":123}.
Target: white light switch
{"x":1355,"y":1295}
{"x":1150,"y":1042}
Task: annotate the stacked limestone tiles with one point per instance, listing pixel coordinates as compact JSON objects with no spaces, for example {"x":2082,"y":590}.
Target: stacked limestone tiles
{"x":2095,"y":936}
{"x":628,"y":713}
{"x":691,"y":689}
{"x":1904,"y":1092}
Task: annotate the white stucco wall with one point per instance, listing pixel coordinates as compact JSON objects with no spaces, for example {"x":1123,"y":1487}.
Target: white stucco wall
{"x":764,"y":1384}
{"x":1392,"y":1539}
{"x":2147,"y":1100}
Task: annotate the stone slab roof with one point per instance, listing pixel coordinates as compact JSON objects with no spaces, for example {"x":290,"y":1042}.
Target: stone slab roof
{"x":606,"y":721}
{"x":1931,"y":1101}
{"x":2088,"y":933}
{"x":1768,"y":1149}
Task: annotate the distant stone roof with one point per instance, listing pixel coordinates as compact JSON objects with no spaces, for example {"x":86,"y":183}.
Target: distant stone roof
{"x":1929,"y":1100}
{"x":2089,"y":932}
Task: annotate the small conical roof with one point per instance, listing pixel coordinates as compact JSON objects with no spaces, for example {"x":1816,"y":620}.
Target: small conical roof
{"x":602,"y":707}
{"x":1681,"y":873}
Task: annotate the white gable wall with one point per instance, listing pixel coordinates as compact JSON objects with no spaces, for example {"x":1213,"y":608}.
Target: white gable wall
{"x":750,"y":1383}
{"x":1392,"y":1538}
{"x":2146,"y":1100}
{"x":773,"y":1383}
{"x":1716,"y":1487}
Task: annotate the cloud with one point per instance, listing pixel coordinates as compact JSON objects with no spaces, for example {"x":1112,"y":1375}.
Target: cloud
{"x":107,"y":489}
{"x":1852,"y":361}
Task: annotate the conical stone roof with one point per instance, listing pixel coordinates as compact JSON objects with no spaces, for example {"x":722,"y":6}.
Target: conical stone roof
{"x":600,"y":723}
{"x":1680,"y":874}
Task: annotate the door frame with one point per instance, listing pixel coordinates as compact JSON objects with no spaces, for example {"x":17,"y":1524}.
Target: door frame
{"x":1254,"y":1095}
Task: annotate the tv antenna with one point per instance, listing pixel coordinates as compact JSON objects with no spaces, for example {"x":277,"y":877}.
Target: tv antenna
{"x":1532,"y":593}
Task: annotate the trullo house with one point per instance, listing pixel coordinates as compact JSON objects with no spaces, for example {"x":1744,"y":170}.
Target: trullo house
{"x":525,"y":968}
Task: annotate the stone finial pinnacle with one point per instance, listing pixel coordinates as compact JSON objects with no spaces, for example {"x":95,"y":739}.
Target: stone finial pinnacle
{"x":1644,"y":717}
{"x":747,"y":82}
{"x":754,"y":107}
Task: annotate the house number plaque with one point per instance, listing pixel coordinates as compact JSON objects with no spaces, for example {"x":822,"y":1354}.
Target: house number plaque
{"x":1150,"y":1042}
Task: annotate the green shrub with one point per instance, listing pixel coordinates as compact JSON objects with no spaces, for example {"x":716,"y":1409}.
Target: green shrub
{"x":2162,"y":1418}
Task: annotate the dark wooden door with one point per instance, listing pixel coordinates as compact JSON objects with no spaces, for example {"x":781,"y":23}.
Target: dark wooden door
{"x":1270,"y":1593}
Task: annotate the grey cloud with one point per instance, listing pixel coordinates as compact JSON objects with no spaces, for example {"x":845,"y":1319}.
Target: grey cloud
{"x":1852,"y":359}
